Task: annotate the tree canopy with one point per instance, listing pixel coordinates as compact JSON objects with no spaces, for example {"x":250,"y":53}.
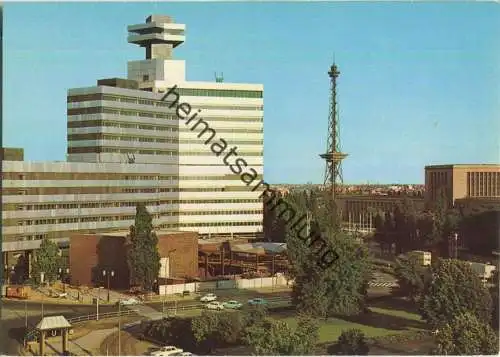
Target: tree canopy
{"x":454,"y":289}
{"x":323,"y":291}
{"x":466,"y":335}
{"x":47,"y":261}
{"x":276,"y":338}
{"x":143,"y":256}
{"x":412,"y":278}
{"x":408,"y":229}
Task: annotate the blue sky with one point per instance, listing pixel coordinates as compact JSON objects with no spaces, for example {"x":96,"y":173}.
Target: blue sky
{"x":419,"y":84}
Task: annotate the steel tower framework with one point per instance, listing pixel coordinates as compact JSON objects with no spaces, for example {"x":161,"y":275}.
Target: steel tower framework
{"x":333,"y":156}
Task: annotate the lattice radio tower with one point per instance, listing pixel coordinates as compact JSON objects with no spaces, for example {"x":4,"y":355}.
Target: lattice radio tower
{"x":333,"y":155}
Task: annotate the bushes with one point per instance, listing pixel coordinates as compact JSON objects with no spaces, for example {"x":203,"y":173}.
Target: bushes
{"x":172,"y":330}
{"x":350,"y":342}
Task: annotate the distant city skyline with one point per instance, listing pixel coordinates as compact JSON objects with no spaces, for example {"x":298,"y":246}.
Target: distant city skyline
{"x":417,"y":87}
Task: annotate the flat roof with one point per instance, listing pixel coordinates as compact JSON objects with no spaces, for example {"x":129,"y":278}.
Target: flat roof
{"x":450,"y":166}
{"x":259,"y":247}
{"x":123,"y":233}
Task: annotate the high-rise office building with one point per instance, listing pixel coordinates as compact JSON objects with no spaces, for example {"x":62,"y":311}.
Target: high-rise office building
{"x":126,"y":144}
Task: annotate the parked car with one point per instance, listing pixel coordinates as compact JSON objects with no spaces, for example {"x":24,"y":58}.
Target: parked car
{"x":257,"y":301}
{"x":232,"y":304}
{"x":59,"y":295}
{"x":208,"y":298}
{"x":167,"y":351}
{"x":127,"y":302}
{"x":184,"y":354}
{"x":215,"y":305}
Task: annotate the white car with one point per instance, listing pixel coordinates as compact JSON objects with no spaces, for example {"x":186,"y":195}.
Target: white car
{"x":167,"y":351}
{"x":208,"y":298}
{"x":130,"y":301}
{"x":215,"y":305}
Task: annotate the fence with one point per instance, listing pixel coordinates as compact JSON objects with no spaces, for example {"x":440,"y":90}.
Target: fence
{"x":256,"y":283}
{"x":33,"y":334}
{"x":106,"y":315}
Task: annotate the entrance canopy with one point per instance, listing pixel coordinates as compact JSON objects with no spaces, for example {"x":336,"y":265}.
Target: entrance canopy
{"x":53,"y":323}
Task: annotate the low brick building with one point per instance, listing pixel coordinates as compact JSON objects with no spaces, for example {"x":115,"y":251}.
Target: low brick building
{"x":91,"y":254}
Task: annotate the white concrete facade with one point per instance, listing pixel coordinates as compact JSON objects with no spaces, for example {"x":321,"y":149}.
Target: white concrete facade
{"x":161,"y":159}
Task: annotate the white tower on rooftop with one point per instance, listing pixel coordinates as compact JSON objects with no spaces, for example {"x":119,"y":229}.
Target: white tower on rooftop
{"x":159,"y":35}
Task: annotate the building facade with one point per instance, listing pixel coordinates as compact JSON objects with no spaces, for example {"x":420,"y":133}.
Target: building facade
{"x":108,"y":253}
{"x":462,"y":181}
{"x":127,"y":144}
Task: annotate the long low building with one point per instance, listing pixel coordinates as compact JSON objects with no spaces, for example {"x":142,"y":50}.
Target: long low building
{"x":58,"y":199}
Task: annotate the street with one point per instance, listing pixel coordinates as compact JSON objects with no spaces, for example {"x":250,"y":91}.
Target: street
{"x":13,"y":318}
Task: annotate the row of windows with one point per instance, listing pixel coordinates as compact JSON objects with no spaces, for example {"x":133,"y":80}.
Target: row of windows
{"x":149,"y":139}
{"x":211,"y":213}
{"x":190,"y":189}
{"x":160,"y":140}
{"x":123,"y":125}
{"x":52,"y":206}
{"x":101,"y":149}
{"x":209,"y":224}
{"x":141,"y":114}
{"x":226,"y":93}
{"x":67,"y":220}
{"x":219,"y":93}
{"x":483,"y":184}
{"x":146,"y":114}
{"x":105,"y":176}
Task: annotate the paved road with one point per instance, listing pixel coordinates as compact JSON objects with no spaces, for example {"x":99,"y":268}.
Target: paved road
{"x":13,"y":318}
{"x":14,"y":312}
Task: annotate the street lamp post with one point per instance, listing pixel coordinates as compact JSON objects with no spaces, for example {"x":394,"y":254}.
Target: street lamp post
{"x":63,"y":274}
{"x":119,"y":329}
{"x":110,"y":273}
{"x":456,"y":245}
{"x":42,"y":276}
{"x":97,"y":304}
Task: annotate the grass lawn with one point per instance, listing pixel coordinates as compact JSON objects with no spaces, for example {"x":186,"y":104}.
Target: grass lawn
{"x":330,"y":330}
{"x":382,"y":321}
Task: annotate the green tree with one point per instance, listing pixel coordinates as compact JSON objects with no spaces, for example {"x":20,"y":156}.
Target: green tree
{"x":171,"y":331}
{"x":339,"y":288}
{"x":350,"y":342}
{"x":454,"y":289}
{"x":204,"y":328}
{"x":440,"y":222}
{"x":412,"y":278}
{"x":253,"y":314}
{"x":405,"y":225}
{"x":494,"y":292}
{"x":479,"y":230}
{"x":230,"y":327}
{"x":381,"y":237}
{"x":47,"y":261}
{"x":143,"y":257}
{"x":274,"y":337}
{"x":466,"y":335}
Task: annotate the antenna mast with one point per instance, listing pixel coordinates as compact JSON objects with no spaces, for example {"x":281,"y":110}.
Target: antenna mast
{"x":333,"y":156}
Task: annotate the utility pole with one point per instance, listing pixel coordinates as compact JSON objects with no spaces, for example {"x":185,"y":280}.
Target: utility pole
{"x":42,"y":276}
{"x":97,"y":304}
{"x":222,"y":260}
{"x":119,"y":329}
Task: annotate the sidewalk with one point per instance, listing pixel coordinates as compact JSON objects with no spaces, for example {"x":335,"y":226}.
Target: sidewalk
{"x":87,"y":345}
